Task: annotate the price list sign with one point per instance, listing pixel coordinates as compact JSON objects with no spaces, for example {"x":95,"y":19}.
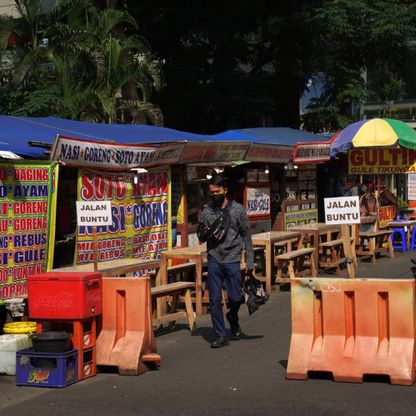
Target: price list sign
{"x":24,"y":226}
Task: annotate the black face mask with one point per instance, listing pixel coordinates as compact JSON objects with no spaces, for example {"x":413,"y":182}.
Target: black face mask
{"x":218,"y":199}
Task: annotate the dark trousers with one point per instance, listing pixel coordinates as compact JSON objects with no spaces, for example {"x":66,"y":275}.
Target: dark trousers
{"x":223,"y":275}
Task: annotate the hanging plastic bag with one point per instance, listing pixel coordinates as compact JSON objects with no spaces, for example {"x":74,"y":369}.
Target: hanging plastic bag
{"x":254,"y":294}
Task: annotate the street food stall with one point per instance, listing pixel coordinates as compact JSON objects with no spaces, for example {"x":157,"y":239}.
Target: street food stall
{"x":155,"y":178}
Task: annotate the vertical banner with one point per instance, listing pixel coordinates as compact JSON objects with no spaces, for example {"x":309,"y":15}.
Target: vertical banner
{"x":139,"y":214}
{"x":27,"y":223}
{"x":411,"y":187}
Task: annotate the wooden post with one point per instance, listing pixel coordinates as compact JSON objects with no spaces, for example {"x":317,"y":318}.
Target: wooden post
{"x":346,"y":240}
{"x":95,"y":247}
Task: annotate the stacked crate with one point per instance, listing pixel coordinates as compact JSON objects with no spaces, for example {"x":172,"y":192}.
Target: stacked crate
{"x":72,"y":302}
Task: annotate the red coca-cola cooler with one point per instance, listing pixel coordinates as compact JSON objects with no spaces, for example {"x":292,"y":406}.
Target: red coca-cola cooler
{"x":64,"y":295}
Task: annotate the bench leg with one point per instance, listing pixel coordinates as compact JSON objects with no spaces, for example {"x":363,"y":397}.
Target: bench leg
{"x":335,"y":258}
{"x":290,"y":269}
{"x":173,"y":307}
{"x":190,"y":311}
{"x":390,"y":246}
{"x":312,"y":260}
{"x":372,"y":248}
{"x":279,"y":270}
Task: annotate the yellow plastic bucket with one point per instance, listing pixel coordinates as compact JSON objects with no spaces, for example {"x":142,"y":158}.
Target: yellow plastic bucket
{"x":19,"y":327}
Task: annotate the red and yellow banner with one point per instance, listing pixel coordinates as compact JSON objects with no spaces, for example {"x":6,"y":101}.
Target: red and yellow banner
{"x":27,"y":225}
{"x":381,"y":161}
{"x":386,"y":214}
{"x":140,"y":215}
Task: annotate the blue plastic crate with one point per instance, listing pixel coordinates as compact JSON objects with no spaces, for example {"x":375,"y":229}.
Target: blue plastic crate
{"x":45,"y":369}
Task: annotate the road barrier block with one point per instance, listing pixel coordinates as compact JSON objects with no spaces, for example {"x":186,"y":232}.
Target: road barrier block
{"x":126,"y":339}
{"x":353,"y":328}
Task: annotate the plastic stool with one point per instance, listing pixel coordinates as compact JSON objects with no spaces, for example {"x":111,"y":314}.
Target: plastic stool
{"x":402,"y":245}
{"x":413,"y":239}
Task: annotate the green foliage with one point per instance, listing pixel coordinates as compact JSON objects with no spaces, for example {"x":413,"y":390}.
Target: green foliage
{"x":73,"y":61}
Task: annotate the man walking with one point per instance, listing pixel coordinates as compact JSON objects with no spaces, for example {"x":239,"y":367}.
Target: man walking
{"x":225,"y":227}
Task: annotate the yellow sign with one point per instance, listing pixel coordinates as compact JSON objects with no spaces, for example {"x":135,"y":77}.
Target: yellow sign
{"x":140,"y":215}
{"x":381,"y":161}
{"x":385,"y":215}
{"x":27,"y":223}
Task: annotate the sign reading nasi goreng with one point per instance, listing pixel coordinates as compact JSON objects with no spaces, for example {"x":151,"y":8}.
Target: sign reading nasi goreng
{"x":111,"y":156}
{"x":139,"y":215}
{"x":26,"y":235}
{"x":381,"y":161}
{"x":257,"y":202}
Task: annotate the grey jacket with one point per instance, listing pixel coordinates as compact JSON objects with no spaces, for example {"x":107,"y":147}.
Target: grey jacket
{"x":230,"y":248}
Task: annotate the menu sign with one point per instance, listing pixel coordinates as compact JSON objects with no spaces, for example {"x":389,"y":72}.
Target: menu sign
{"x":24,"y":230}
{"x":312,"y":152}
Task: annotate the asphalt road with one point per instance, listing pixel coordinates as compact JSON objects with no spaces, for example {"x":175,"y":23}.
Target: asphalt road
{"x":245,"y":378}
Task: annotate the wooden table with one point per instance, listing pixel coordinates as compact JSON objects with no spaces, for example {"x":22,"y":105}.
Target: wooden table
{"x":317,"y":230}
{"x":114,"y":268}
{"x":195,"y":253}
{"x":408,"y":224}
{"x":267,"y":240}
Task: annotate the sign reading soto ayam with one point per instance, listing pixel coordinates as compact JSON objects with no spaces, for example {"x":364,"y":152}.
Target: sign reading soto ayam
{"x":381,"y":161}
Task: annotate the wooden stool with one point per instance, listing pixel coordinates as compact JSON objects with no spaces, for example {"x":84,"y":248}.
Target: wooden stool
{"x":295,"y":261}
{"x":175,"y":289}
{"x":376,"y":240}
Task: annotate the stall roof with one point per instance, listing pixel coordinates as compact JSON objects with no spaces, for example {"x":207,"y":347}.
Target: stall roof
{"x":272,"y":135}
{"x":16,"y":133}
{"x":26,"y":135}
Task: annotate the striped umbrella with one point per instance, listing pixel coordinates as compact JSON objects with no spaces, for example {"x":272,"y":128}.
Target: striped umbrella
{"x":376,"y":132}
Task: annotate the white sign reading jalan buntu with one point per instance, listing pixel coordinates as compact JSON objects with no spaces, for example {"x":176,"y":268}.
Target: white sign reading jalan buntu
{"x":94,"y":213}
{"x":344,"y":210}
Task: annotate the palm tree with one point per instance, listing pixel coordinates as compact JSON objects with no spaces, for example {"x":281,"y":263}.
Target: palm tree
{"x":74,"y":66}
{"x":117,"y":61}
{"x":32,"y":31}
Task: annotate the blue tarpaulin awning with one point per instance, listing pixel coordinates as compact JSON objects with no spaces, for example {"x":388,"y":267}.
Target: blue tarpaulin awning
{"x":272,"y":135}
{"x":17,"y":132}
{"x":24,"y":136}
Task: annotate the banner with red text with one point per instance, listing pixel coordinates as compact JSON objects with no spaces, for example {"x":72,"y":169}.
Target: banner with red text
{"x":140,"y":215}
{"x":373,"y":161}
{"x":386,"y":214}
{"x":27,"y":223}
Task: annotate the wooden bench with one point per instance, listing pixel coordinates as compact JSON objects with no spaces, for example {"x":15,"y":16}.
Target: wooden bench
{"x":331,"y":253}
{"x":295,"y":261}
{"x":376,"y":244}
{"x":285,"y":246}
{"x":174,"y":290}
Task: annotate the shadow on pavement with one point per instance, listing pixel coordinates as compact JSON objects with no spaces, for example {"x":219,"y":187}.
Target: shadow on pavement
{"x":208,"y":334}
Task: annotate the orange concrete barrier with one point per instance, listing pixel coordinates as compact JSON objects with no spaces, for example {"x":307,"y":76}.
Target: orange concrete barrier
{"x":352,"y":328}
{"x":126,"y":339}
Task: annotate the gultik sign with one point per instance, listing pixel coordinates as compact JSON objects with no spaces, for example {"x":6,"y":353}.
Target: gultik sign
{"x":381,"y":161}
{"x":344,"y":210}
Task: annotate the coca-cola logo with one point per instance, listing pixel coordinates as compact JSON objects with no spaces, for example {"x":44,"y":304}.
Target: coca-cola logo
{"x":59,"y":300}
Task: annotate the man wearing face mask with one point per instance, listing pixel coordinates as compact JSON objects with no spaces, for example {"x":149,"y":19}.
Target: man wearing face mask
{"x":225,"y":227}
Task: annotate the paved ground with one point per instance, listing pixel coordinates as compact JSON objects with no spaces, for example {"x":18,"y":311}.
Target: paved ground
{"x":246,"y":378}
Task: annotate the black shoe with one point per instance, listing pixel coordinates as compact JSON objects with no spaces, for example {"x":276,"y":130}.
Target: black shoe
{"x":220,"y":342}
{"x":234,"y":326}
